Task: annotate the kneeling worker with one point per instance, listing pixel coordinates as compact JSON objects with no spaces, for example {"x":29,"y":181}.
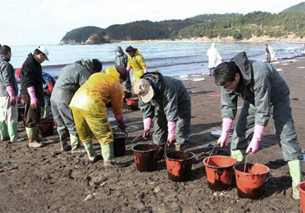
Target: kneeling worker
{"x":90,"y":113}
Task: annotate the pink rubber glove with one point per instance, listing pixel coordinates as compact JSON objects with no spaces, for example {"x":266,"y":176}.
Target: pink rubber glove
{"x":11,"y":93}
{"x":145,"y":71}
{"x":120,"y":120}
{"x":171,"y":125}
{"x":257,"y":137}
{"x":128,"y":69}
{"x":32,"y":94}
{"x":147,"y":125}
{"x":226,"y":126}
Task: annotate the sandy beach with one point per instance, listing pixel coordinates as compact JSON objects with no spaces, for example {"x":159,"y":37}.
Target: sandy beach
{"x":48,"y":180}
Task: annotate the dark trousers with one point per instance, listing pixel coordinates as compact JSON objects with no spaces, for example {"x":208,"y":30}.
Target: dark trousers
{"x":31,"y":116}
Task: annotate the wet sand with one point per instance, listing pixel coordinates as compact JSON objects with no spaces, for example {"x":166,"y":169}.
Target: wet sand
{"x":48,"y":180}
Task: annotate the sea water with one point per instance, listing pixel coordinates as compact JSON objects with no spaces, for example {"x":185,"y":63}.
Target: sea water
{"x":169,"y":58}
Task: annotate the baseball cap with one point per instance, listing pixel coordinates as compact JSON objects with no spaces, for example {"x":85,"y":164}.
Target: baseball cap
{"x":143,"y":88}
{"x":44,"y":50}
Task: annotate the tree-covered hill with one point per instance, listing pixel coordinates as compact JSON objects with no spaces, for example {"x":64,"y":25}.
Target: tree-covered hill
{"x":289,"y":22}
{"x":300,"y":8}
{"x":79,"y":35}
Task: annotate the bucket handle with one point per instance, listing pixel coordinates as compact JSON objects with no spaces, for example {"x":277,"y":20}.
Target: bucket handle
{"x":165,"y":152}
{"x":216,"y":146}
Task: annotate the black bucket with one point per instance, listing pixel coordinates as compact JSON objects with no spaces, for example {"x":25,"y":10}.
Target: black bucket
{"x":145,"y":157}
{"x":20,"y":113}
{"x":46,"y":127}
{"x":119,"y":143}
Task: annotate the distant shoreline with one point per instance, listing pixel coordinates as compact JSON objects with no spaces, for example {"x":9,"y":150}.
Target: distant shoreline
{"x":262,"y":39}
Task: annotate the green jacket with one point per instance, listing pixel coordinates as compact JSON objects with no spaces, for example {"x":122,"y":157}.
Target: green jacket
{"x":260,"y":85}
{"x":170,"y":96}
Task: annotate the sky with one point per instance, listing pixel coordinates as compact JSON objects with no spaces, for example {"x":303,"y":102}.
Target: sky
{"x":34,"y":22}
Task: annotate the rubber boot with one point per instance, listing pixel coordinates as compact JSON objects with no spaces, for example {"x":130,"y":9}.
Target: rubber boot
{"x":37,"y":137}
{"x":4,"y":132}
{"x":64,"y":146}
{"x":12,"y":131}
{"x":90,"y":152}
{"x":295,"y":169}
{"x":46,"y":111}
{"x":239,"y":155}
{"x":108,"y":154}
{"x":75,"y":144}
{"x":32,"y":138}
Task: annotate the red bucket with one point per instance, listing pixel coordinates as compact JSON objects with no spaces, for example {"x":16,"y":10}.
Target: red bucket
{"x":119,"y":143}
{"x":179,"y":165}
{"x":301,"y":188}
{"x":219,"y":171}
{"x":250,"y":183}
{"x":132,"y":103}
{"x":145,"y":157}
{"x":46,"y":126}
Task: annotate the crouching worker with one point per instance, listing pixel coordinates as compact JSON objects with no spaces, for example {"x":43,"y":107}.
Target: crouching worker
{"x":167,"y":100}
{"x":70,"y":79}
{"x":90,"y":113}
{"x":265,"y":94}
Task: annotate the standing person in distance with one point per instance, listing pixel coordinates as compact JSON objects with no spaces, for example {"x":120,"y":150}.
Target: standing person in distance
{"x":121,"y":60}
{"x":31,"y":93}
{"x":270,"y":53}
{"x":214,"y":58}
{"x":136,"y":63}
{"x":8,"y":94}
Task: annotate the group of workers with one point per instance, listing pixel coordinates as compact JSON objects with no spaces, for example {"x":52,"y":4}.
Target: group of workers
{"x":81,"y":92}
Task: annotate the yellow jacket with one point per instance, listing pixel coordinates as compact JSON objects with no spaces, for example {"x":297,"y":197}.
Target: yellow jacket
{"x":98,"y":90}
{"x":137,"y":63}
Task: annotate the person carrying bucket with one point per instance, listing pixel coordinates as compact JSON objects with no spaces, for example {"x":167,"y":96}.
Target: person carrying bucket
{"x":70,"y":78}
{"x":90,"y":113}
{"x":265,"y":94}
{"x":8,"y":94}
{"x":168,"y":101}
{"x":136,"y":63}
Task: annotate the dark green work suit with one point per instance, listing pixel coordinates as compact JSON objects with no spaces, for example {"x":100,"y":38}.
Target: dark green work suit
{"x":171,"y":102}
{"x":265,"y":95}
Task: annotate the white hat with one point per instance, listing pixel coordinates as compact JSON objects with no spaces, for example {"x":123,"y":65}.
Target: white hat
{"x":144,"y":89}
{"x":44,"y":50}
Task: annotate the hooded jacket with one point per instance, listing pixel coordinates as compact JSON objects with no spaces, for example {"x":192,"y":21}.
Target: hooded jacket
{"x":100,"y":89}
{"x":260,"y":85}
{"x":70,"y":78}
{"x":170,"y":96}
{"x":122,"y":59}
{"x":7,"y":77}
{"x":31,"y":75}
{"x":137,"y":63}
{"x":214,"y":56}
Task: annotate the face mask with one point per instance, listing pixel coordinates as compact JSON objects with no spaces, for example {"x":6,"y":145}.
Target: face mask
{"x":118,"y":54}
